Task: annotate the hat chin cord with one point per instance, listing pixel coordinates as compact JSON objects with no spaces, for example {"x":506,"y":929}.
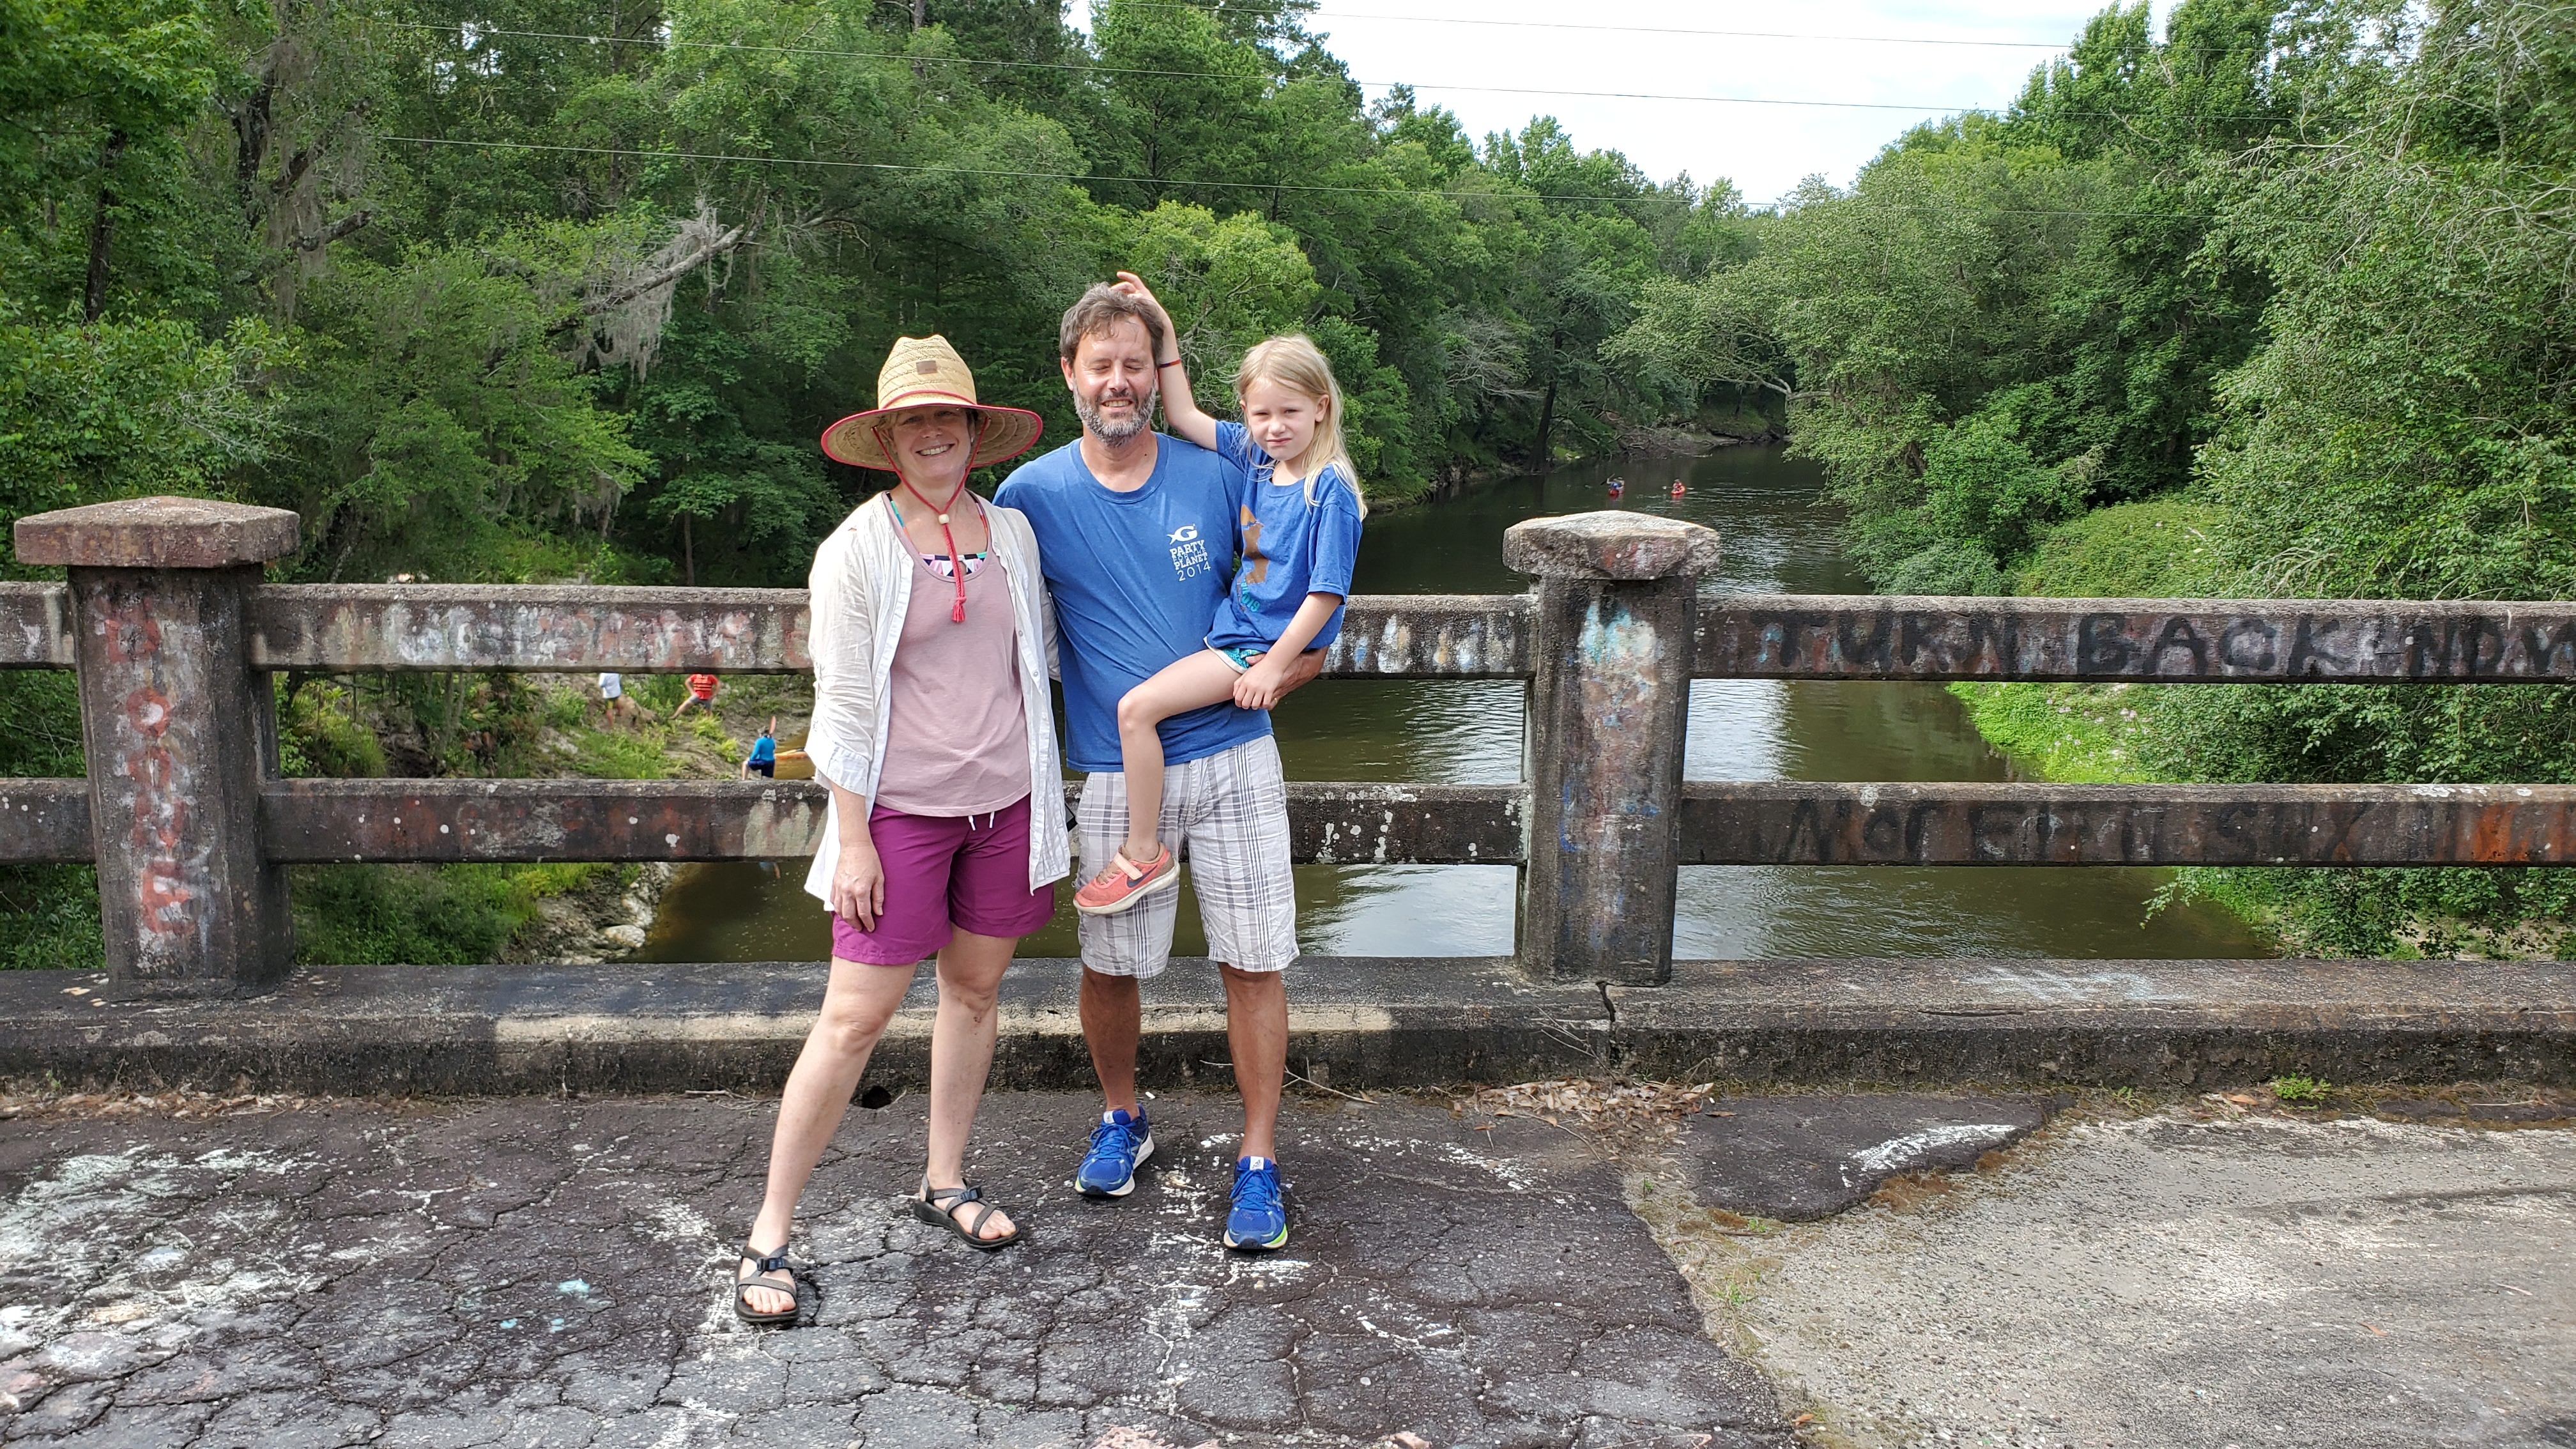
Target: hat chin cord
{"x":956,"y":560}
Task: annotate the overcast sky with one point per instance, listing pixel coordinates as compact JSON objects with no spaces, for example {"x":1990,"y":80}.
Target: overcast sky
{"x":1764,"y":149}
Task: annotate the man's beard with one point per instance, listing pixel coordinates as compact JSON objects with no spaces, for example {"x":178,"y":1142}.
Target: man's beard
{"x":1118,"y":430}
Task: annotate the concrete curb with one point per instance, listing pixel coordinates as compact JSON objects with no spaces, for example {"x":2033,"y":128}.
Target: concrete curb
{"x":510,"y":1029}
{"x":2169,"y":1024}
{"x":1354,"y":1021}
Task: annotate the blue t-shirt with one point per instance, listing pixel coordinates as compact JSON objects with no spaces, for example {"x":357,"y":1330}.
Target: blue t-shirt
{"x":1135,"y":578}
{"x":1291,"y":548}
{"x":764,"y":750}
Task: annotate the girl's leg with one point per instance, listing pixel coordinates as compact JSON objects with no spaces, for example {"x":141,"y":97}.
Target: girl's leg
{"x":961,"y":1055}
{"x":1186,"y":684}
{"x":857,"y":1004}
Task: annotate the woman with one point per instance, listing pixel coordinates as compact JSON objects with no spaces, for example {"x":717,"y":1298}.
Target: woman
{"x":931,"y":636}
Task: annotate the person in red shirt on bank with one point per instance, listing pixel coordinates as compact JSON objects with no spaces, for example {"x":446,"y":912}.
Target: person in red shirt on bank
{"x":702,"y":692}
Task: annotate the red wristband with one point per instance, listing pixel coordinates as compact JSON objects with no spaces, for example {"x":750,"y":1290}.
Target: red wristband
{"x":1175,"y":362}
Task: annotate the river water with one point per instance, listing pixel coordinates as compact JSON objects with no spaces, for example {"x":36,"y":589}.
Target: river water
{"x":1780,"y":536}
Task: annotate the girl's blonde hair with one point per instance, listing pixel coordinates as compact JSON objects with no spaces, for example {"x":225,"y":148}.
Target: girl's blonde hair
{"x":1294,"y":362}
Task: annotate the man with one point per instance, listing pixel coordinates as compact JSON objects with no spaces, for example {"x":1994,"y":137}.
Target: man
{"x":1136,"y":537}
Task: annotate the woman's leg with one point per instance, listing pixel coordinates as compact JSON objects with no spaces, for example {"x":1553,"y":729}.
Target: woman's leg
{"x":1201,"y":679}
{"x":961,"y":1056}
{"x":857,"y":1004}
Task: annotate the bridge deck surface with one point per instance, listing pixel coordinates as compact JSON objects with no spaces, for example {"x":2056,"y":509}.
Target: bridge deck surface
{"x":534,"y":1272}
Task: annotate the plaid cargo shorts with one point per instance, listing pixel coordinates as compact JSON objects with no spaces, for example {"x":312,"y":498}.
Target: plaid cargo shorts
{"x":1228,"y":814}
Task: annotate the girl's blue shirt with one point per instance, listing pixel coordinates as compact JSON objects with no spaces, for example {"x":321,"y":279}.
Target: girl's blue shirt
{"x":1290,"y":548}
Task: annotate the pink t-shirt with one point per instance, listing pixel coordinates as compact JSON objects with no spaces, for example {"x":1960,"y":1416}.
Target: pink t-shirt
{"x":956,"y":737}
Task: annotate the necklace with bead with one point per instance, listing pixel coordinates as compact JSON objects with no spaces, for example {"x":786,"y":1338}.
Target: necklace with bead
{"x":956,"y":560}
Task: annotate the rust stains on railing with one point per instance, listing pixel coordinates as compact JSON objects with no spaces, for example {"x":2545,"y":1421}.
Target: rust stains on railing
{"x":547,"y":628}
{"x":563,"y":629}
{"x":1768,"y":823}
{"x":2009,"y":824}
{"x":1413,"y":636}
{"x":319,"y":821}
{"x":35,"y":626}
{"x":44,"y":821}
{"x":2175,"y":641}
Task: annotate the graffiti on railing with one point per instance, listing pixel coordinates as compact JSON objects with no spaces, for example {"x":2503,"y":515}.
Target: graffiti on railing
{"x":2146,"y":639}
{"x":173,"y":635}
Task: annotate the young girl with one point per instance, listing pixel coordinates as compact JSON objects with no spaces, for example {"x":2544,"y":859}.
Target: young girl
{"x":1298,"y":533}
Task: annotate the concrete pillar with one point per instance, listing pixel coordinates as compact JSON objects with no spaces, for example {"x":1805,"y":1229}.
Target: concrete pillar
{"x":180,"y":735}
{"x":1609,"y":701}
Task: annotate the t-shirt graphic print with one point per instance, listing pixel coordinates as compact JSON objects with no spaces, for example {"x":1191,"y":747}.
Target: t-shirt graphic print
{"x":1291,"y":548}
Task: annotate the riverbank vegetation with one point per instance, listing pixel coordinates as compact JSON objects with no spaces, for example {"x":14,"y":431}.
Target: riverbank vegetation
{"x":499,"y":727}
{"x":2276,"y":304}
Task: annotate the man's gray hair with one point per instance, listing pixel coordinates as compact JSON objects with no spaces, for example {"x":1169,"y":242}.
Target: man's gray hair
{"x":1099,"y":311}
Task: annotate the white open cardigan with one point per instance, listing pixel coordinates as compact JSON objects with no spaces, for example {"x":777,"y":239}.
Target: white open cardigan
{"x":861,"y":586}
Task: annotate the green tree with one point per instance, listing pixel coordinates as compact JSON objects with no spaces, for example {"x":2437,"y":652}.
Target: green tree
{"x":2406,"y":431}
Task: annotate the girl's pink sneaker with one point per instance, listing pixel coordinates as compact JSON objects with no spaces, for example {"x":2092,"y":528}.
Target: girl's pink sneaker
{"x":1125,"y":882}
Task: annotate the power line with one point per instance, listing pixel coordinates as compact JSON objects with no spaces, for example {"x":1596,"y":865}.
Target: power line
{"x":1322,"y":15}
{"x":1176,"y":182}
{"x":1097,"y":69}
{"x":1086,"y":66}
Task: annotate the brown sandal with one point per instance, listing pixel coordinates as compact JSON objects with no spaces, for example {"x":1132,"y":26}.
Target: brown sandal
{"x":939,"y":1205}
{"x":763,"y":1264}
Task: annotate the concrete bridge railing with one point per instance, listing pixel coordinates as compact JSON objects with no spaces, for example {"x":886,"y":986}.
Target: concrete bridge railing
{"x":167,"y":620}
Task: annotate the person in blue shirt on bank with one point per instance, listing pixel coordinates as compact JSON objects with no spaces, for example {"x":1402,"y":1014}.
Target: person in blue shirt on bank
{"x":1136,"y":541}
{"x":1297,"y":535}
{"x":764,"y":753}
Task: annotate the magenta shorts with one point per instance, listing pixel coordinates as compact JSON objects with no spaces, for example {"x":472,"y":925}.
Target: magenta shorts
{"x":943,"y":874}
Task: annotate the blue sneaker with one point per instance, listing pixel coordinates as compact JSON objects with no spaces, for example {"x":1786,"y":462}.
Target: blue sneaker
{"x":1259,"y":1222}
{"x":1119,"y":1145}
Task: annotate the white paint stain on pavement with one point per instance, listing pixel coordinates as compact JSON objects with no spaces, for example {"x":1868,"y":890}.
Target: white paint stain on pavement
{"x":1509,"y":1172}
{"x":1899,"y":1153}
{"x":89,"y":1226}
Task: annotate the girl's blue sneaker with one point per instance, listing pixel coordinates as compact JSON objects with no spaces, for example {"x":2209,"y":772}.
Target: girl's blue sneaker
{"x":1119,"y":1145}
{"x":1259,"y":1222}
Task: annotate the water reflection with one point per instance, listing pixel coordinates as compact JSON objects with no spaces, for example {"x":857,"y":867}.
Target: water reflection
{"x":1780,"y":537}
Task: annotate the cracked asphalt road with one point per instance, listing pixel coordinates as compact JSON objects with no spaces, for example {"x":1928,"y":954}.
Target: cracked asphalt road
{"x":2200,"y":1276}
{"x":550,"y":1275}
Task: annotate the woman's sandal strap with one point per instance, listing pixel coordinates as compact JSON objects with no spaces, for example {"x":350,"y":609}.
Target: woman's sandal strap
{"x":763,"y":1264}
{"x":945,"y":1201}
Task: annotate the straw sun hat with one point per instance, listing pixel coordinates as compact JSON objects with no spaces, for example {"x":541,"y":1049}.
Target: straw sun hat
{"x":927,"y":372}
